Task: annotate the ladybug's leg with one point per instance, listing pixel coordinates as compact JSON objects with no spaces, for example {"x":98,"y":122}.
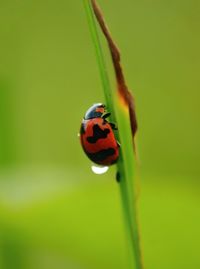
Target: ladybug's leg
{"x":113,"y":126}
{"x":106,"y":115}
{"x":118,"y":177}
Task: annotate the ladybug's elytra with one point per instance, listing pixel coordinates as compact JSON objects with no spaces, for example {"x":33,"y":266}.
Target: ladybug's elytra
{"x":97,"y":137}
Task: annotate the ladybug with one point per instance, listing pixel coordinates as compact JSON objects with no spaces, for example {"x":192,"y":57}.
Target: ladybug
{"x":97,"y":136}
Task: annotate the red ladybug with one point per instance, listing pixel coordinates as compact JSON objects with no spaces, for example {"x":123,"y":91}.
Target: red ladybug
{"x":97,"y":137}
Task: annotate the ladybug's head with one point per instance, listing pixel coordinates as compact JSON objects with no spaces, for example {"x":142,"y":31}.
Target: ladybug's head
{"x":95,"y":111}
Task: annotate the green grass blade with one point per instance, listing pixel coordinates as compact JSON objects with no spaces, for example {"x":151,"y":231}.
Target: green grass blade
{"x":126,"y":162}
{"x":100,"y":57}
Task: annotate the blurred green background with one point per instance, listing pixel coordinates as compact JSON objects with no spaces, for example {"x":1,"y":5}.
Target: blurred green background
{"x":54,"y":213}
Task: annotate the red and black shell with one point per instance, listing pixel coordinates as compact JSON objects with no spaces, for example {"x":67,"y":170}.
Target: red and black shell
{"x":97,"y":137}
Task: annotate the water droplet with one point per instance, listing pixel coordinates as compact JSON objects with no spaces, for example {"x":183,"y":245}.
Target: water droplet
{"x":99,"y":170}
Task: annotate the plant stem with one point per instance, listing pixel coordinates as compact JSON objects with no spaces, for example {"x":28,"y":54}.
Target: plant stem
{"x":119,"y":104}
{"x":99,"y":56}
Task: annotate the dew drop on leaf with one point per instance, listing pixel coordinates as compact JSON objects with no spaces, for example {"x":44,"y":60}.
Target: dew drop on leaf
{"x":99,"y":170}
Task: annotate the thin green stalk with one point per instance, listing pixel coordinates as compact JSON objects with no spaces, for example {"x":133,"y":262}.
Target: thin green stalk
{"x":100,"y":57}
{"x":126,"y":163}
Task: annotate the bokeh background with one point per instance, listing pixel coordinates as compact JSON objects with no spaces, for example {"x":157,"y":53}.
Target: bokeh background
{"x":54,"y":212}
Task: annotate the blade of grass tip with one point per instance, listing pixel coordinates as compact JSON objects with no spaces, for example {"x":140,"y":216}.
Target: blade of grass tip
{"x":100,"y":58}
{"x":121,"y":106}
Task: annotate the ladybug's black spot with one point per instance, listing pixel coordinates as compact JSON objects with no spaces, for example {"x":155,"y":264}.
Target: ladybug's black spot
{"x":101,"y":155}
{"x":118,"y":177}
{"x":98,"y":133}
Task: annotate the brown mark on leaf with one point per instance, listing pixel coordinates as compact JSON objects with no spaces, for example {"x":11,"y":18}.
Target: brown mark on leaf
{"x":124,"y":93}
